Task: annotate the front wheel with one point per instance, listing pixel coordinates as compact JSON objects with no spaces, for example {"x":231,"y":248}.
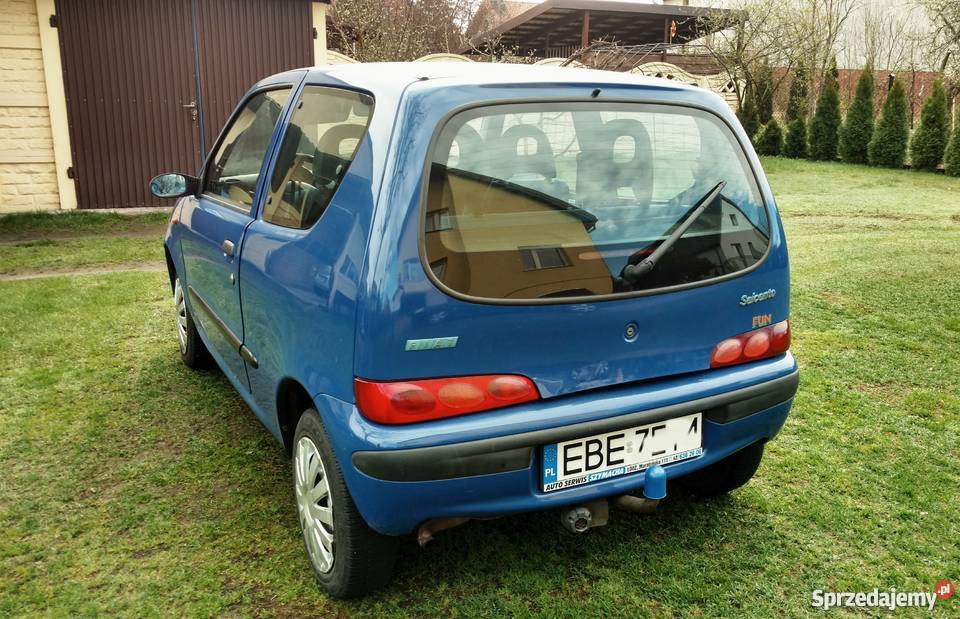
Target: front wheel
{"x":725,"y":475}
{"x":348,"y":558}
{"x":192,"y":350}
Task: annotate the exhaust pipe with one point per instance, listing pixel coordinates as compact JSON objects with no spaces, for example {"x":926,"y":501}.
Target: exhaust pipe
{"x":582,"y":518}
{"x":427,"y":530}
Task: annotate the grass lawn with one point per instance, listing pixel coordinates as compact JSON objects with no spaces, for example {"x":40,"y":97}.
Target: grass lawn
{"x":132,"y":485}
{"x":75,"y":240}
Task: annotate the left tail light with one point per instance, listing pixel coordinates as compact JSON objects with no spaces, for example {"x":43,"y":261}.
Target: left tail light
{"x":752,"y":345}
{"x":399,"y":402}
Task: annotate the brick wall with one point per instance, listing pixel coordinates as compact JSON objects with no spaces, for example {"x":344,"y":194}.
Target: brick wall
{"x":28,"y":179}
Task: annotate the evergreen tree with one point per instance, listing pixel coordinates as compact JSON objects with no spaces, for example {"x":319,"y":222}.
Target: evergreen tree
{"x":930,"y":140}
{"x":889,"y":143}
{"x":770,"y":139}
{"x":797,"y":103}
{"x":764,"y":93}
{"x":796,"y":143}
{"x":748,"y":114}
{"x":951,"y":159}
{"x":825,"y":128}
{"x":858,"y":128}
{"x":832,"y":72}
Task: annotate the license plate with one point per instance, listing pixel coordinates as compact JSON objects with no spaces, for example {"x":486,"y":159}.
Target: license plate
{"x":593,"y":458}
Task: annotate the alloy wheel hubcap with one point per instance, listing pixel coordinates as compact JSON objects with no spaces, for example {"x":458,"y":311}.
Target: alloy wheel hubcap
{"x":181,"y":306}
{"x":314,"y":504}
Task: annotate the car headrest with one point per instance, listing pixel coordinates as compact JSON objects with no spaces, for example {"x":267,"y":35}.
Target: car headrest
{"x":470,"y":147}
{"x":540,"y":162}
{"x":336,"y":135}
{"x":637,"y":171}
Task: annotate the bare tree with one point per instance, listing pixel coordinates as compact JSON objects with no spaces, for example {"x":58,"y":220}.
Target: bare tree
{"x":372,"y":30}
{"x":945,"y":39}
{"x":754,"y":34}
{"x":784,"y":33}
{"x":820,"y":24}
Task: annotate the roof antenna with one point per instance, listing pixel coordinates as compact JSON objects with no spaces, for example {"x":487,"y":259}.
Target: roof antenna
{"x":595,"y":93}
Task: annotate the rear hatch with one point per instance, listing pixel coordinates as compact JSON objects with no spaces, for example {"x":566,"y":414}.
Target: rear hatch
{"x":580,"y":244}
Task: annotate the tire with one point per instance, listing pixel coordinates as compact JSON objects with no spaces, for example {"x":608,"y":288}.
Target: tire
{"x":726,"y":475}
{"x":193,"y":352}
{"x":360,"y":559}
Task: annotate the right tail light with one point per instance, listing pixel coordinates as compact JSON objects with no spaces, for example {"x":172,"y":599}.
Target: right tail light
{"x":752,"y":345}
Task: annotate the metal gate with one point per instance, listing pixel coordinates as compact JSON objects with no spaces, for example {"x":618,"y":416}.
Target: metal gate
{"x":150,"y":83}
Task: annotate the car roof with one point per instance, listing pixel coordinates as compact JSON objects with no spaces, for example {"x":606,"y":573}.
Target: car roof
{"x":395,"y":76}
{"x":391,"y":79}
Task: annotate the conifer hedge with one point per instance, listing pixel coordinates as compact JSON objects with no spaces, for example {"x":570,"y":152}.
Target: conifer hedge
{"x":888,"y":146}
{"x":858,"y":127}
{"x":930,"y":139}
{"x":951,"y":160}
{"x":796,"y":143}
{"x":825,"y":127}
{"x":770,"y":139}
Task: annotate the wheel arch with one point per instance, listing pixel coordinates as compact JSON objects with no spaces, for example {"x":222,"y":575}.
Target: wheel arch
{"x":292,"y":400}
{"x":171,"y":267}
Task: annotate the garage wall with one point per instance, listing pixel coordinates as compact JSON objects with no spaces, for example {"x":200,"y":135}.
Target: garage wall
{"x":28,"y":176}
{"x":36,"y":158}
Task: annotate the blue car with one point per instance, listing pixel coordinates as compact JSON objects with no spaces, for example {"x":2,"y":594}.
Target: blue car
{"x":457,"y":291}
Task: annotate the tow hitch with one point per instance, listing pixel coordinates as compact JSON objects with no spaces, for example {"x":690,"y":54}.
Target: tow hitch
{"x":582,"y":518}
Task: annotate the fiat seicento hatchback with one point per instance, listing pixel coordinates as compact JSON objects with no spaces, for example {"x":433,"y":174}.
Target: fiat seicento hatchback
{"x":457,"y":291}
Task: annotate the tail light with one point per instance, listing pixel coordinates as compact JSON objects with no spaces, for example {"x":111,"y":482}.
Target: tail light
{"x":752,"y":345}
{"x":422,"y":400}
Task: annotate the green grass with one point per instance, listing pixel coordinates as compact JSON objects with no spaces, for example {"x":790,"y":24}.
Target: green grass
{"x":133,"y":486}
{"x":78,"y":240}
{"x":46,"y":254}
{"x":72,"y":223}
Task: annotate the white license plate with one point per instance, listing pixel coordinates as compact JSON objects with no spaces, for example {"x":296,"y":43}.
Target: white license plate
{"x":592,"y":458}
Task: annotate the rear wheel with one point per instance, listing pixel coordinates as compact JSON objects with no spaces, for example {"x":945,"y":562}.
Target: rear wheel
{"x":192,"y":350}
{"x":726,"y":475}
{"x":348,"y":557}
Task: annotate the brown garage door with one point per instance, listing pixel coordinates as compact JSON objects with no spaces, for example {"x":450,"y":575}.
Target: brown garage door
{"x":139,"y":102}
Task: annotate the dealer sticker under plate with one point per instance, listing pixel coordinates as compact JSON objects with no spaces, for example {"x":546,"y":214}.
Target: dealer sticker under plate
{"x":593,"y":458}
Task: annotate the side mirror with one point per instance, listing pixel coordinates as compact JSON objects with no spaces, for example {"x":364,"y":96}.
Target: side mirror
{"x":174,"y":185}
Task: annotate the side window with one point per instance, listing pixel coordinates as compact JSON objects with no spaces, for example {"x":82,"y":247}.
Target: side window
{"x":321,"y":141}
{"x":235,"y":168}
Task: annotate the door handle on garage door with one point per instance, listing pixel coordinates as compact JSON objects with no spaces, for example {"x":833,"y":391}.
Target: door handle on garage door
{"x":227,"y":248}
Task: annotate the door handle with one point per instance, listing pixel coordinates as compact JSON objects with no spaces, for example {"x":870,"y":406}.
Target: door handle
{"x":227,"y":248}
{"x":192,"y":106}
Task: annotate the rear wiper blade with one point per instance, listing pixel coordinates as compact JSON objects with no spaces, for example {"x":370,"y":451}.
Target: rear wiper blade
{"x":633,"y":272}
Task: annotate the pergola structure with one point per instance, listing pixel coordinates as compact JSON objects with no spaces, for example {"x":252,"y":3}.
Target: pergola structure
{"x":561,"y":27}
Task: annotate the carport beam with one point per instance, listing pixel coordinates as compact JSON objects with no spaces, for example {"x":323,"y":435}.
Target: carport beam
{"x":585,"y":31}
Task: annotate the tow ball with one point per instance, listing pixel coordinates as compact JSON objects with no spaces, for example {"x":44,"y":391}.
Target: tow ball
{"x":582,"y":518}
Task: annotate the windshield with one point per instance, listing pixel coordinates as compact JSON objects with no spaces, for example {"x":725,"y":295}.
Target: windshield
{"x":534,"y":201}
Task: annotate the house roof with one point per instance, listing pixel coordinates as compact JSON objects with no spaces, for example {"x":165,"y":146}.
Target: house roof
{"x":558,"y":23}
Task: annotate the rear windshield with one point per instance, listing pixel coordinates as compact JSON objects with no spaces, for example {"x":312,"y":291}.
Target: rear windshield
{"x":539,"y":201}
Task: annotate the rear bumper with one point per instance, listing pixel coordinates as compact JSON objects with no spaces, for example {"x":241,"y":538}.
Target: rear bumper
{"x":488,"y":464}
{"x":515,"y":452}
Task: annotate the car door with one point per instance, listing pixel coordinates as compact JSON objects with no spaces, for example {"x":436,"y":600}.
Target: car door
{"x":303,"y":255}
{"x":215,"y":223}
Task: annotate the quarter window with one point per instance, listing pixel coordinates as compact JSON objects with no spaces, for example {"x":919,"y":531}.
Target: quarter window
{"x":235,"y":168}
{"x":321,"y":142}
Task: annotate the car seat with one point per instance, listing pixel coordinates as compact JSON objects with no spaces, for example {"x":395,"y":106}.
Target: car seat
{"x":600,"y":176}
{"x":537,"y":170}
